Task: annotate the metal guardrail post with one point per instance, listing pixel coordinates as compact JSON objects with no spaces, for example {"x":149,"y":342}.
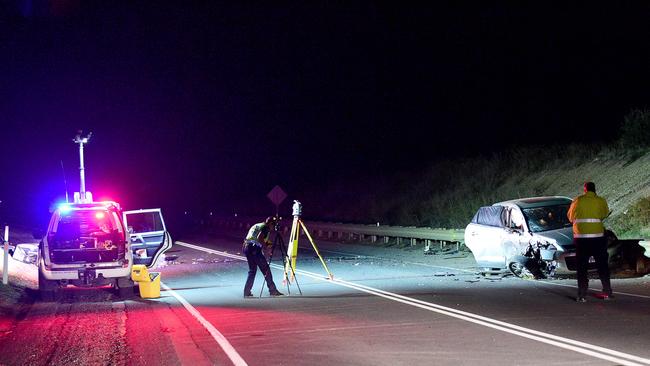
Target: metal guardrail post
{"x":352,"y":231}
{"x":5,"y":262}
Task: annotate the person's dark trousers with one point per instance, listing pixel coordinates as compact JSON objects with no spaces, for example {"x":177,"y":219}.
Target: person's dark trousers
{"x":585,"y":248}
{"x":256,"y":259}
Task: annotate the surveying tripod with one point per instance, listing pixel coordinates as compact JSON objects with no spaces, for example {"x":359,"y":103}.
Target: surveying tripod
{"x":292,"y":250}
{"x":289,"y":259}
{"x":278,"y":243}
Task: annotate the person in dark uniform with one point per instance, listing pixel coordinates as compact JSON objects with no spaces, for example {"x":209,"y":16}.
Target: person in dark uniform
{"x":257,"y":239}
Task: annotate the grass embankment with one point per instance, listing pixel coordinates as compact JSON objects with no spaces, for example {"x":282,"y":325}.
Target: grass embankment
{"x":10,"y":295}
{"x":447,"y":194}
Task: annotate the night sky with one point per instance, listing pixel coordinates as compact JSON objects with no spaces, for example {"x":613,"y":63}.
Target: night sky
{"x":206,"y":106}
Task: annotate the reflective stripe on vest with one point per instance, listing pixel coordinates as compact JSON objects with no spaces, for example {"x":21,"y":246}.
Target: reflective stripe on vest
{"x":588,"y":235}
{"x":588,"y":220}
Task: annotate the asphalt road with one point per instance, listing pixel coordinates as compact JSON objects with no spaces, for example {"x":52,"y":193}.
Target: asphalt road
{"x":385,"y":306}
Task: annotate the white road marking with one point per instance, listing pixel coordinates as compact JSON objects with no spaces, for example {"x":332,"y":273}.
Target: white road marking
{"x":470,"y":271}
{"x":561,"y":342}
{"x":234,"y":356}
{"x":574,"y":286}
{"x":573,"y":345}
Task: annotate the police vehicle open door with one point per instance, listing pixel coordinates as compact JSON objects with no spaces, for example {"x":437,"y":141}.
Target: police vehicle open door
{"x":148,"y":235}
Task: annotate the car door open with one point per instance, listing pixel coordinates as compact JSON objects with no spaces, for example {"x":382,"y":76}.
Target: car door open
{"x":148,"y":235}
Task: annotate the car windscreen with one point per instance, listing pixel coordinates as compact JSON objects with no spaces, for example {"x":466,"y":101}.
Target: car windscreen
{"x":547,"y":218}
{"x":76,"y":224}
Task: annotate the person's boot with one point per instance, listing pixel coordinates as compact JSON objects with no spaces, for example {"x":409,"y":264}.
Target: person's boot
{"x":607,"y":295}
{"x":275,"y":293}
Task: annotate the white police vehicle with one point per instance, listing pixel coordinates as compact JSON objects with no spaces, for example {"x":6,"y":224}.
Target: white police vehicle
{"x":91,"y":244}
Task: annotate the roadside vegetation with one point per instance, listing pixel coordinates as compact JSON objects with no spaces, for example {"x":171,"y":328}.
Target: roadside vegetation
{"x":448,"y":193}
{"x":10,"y":295}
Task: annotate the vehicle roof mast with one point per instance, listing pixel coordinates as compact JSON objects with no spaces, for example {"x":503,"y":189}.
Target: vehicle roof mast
{"x":82,"y":196}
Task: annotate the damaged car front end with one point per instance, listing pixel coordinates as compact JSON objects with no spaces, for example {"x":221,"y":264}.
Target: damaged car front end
{"x":531,"y":237}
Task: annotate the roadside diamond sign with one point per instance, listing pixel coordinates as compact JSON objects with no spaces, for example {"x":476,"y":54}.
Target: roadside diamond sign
{"x":277,"y":195}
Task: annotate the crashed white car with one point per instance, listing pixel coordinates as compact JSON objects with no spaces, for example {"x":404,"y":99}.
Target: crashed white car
{"x":532,"y":237}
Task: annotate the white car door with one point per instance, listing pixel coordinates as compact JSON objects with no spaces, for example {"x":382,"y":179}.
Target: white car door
{"x":484,"y":236}
{"x":485,"y":242}
{"x":516,"y":235}
{"x":148,"y":235}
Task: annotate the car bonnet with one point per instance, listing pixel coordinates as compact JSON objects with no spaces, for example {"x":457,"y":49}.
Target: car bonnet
{"x":563,"y":237}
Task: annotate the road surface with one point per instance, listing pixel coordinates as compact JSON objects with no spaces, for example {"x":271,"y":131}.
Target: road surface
{"x":385,"y":306}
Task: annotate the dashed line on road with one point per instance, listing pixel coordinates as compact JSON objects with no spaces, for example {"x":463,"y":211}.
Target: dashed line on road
{"x":547,"y":338}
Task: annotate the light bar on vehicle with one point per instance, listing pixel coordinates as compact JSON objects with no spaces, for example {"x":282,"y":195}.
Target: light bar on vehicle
{"x":64,"y":208}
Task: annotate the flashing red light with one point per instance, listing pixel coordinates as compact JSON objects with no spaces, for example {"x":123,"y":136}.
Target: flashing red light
{"x":99,"y":215}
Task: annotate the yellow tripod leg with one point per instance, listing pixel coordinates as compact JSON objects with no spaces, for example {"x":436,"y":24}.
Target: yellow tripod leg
{"x":304,"y":228}
{"x":287,"y":255}
{"x":292,"y":251}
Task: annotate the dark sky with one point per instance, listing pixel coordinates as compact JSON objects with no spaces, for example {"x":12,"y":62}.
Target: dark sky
{"x":206,"y":105}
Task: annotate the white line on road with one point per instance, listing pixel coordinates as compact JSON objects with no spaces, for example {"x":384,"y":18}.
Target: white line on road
{"x":591,"y":350}
{"x":236,"y":359}
{"x":615,"y":292}
{"x":473,"y":271}
{"x":566,"y":343}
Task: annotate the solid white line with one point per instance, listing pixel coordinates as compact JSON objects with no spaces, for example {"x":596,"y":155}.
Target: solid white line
{"x":236,"y":359}
{"x":615,"y":292}
{"x":566,"y":343}
{"x":469,"y":271}
{"x":488,"y":322}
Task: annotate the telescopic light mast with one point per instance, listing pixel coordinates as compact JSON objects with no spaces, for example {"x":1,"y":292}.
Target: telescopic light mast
{"x":82,"y":178}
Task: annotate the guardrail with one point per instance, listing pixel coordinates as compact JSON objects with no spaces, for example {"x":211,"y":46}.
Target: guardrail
{"x":340,"y":231}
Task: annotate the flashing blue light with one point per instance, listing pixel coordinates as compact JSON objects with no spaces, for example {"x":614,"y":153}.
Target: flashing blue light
{"x":64,"y":208}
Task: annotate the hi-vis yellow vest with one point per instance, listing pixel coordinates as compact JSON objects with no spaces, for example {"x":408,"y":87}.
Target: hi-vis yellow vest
{"x":255,"y":230}
{"x":587,"y":212}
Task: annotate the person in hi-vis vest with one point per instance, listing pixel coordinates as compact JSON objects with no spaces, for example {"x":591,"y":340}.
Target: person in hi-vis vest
{"x":586,"y":213}
{"x":257,"y":239}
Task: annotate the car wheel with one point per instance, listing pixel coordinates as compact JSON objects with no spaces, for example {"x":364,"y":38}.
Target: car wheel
{"x":46,"y":288}
{"x":519,"y":269}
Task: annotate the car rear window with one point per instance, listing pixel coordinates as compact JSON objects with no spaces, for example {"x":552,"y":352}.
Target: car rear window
{"x":76,"y":224}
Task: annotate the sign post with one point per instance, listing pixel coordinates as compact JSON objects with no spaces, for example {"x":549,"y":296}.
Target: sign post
{"x":277,"y":195}
{"x":5,"y":262}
